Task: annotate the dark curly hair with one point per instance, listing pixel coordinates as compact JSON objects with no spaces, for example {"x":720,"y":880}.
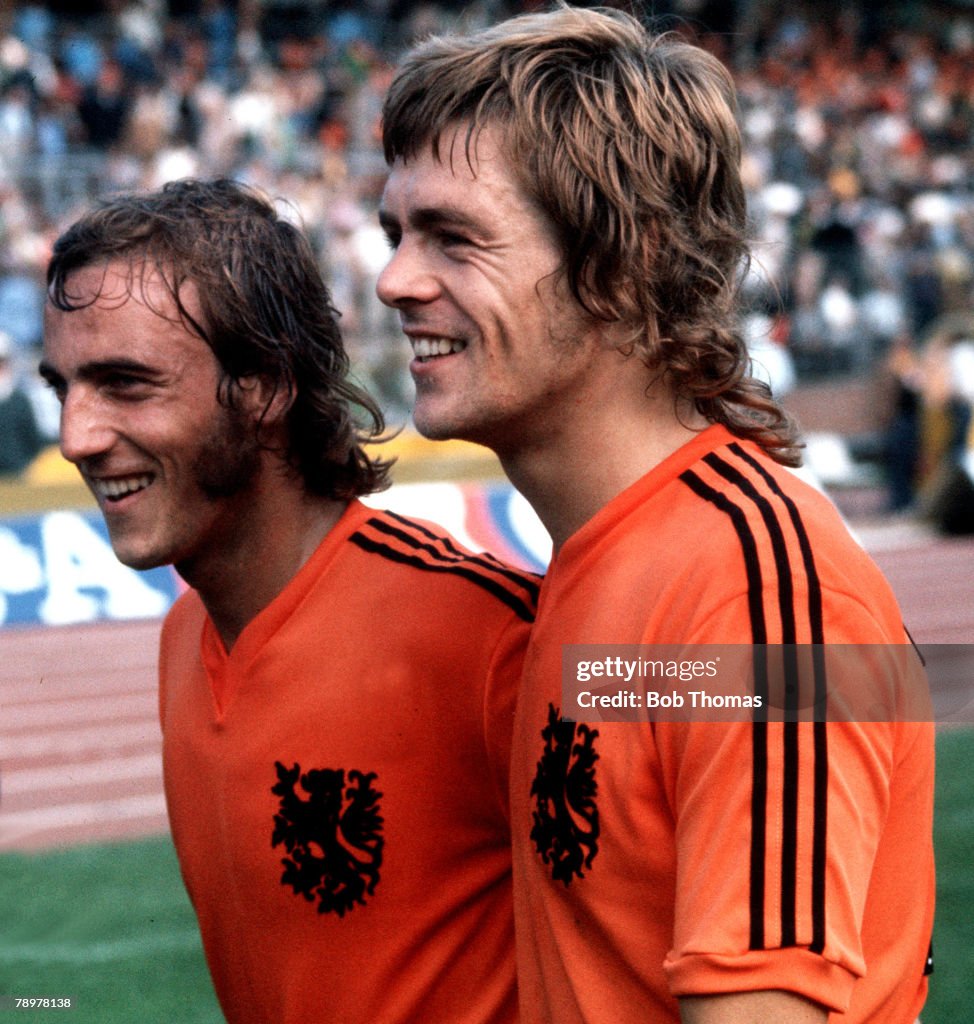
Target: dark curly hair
{"x":628,"y":141}
{"x":264,"y":311}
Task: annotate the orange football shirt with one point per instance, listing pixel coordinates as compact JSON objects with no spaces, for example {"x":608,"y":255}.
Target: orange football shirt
{"x":668,"y":859}
{"x":337,"y":784}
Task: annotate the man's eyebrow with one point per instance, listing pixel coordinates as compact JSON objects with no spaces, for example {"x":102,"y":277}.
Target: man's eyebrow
{"x":427,"y":217}
{"x":97,"y":368}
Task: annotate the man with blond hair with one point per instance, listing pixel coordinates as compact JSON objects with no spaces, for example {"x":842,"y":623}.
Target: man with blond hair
{"x":568,"y":222}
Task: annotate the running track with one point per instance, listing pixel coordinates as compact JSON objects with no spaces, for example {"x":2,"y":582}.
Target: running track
{"x":79,"y":735}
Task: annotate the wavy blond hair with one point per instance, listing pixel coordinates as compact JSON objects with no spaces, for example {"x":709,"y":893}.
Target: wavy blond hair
{"x":629,"y":143}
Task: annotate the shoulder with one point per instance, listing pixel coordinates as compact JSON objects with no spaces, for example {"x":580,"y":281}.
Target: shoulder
{"x":760,"y":504}
{"x":422,"y":553}
{"x":760,"y":531}
{"x":738,"y":475}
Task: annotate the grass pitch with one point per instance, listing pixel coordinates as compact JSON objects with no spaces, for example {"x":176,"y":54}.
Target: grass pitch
{"x":109,"y":926}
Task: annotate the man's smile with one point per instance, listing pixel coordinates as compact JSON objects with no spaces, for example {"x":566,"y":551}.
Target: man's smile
{"x":115,"y":488}
{"x":425,"y":348}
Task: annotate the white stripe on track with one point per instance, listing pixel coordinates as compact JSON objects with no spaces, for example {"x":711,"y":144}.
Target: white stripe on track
{"x":70,"y":742}
{"x":62,"y":687}
{"x":20,"y":825}
{"x":60,"y":777}
{"x":53,"y":714}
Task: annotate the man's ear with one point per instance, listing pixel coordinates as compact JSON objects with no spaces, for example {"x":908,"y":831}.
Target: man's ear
{"x":265,"y":399}
{"x":618,"y":336}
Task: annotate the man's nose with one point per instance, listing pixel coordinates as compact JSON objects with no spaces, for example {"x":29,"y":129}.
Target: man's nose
{"x":86,"y":429}
{"x":407,"y":278}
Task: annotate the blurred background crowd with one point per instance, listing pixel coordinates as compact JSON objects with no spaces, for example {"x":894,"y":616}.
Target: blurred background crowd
{"x":858,"y":120}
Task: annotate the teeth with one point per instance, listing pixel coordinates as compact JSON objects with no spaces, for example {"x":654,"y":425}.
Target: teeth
{"x":119,"y":487}
{"x":428,"y":348}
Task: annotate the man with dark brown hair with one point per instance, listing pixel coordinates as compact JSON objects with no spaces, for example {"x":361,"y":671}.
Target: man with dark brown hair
{"x":336,"y":689}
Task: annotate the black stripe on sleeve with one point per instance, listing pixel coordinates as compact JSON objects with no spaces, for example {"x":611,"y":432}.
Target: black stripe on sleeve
{"x":786,"y":590}
{"x":759,"y":730}
{"x":530,"y":582}
{"x":759,"y":814}
{"x":523,"y":609}
{"x":815,"y":612}
{"x":820,"y":732}
{"x":752,"y":565}
{"x":789,"y":836}
{"x":820,"y":831}
{"x":790,"y":774}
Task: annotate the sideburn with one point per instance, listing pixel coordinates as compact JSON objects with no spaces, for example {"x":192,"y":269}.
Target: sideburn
{"x":229,"y":457}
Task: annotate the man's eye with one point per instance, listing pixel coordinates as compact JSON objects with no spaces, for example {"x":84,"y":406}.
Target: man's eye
{"x":124,"y":384}
{"x":453,"y":238}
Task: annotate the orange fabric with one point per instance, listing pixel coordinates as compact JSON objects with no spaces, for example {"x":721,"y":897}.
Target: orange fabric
{"x":659,"y":860}
{"x":382,"y":678}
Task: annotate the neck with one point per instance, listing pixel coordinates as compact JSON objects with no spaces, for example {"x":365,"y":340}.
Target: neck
{"x":570,"y":475}
{"x":274,"y":536}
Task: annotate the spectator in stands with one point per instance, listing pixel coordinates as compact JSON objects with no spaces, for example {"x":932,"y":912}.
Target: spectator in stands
{"x":20,"y":437}
{"x":104,"y":108}
{"x":948,"y":452}
{"x":903,"y":380}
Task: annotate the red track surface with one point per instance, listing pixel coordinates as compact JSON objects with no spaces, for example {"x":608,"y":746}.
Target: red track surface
{"x":79,"y":734}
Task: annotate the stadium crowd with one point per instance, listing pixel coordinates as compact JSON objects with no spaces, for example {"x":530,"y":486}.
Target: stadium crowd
{"x":859,"y":158}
